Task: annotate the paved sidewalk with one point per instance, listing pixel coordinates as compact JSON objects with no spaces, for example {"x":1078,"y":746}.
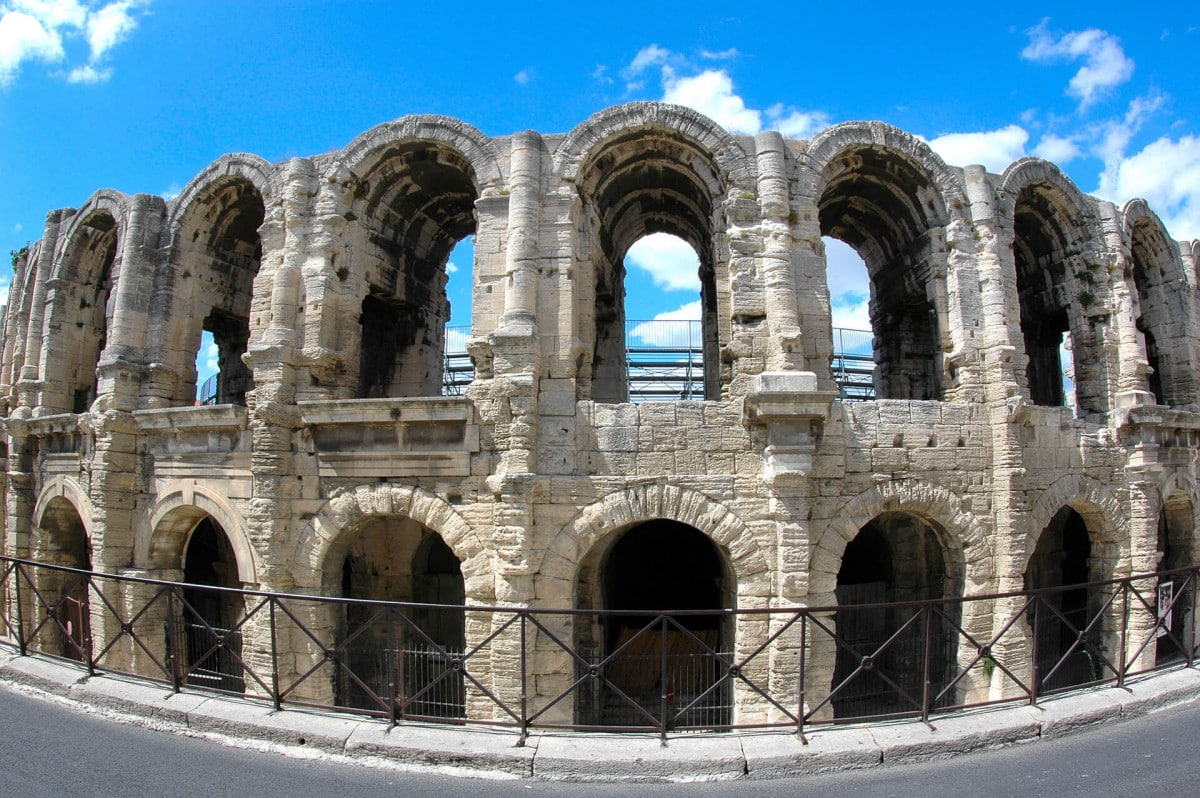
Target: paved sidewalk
{"x":592,"y":756}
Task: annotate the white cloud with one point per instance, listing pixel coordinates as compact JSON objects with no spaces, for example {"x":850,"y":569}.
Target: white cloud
{"x":41,"y":30}
{"x":796,"y":124}
{"x":25,"y":38}
{"x":849,"y":287}
{"x":17,"y":227}
{"x":711,"y":93}
{"x":1106,"y":64}
{"x":451,"y":267}
{"x":670,"y":261}
{"x":109,"y":26}
{"x":5,"y":287}
{"x":646,"y":57}
{"x":456,"y":340}
{"x":523,"y":76}
{"x":210,"y":355}
{"x":1166,"y":173}
{"x":1057,"y":149}
{"x":88,"y":74}
{"x":994,"y":149}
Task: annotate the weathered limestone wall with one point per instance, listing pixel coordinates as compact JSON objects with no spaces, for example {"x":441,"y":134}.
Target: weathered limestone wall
{"x":322,"y":281}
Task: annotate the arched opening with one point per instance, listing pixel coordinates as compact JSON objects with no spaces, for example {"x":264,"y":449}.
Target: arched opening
{"x":647,"y":664}
{"x":881,"y":647}
{"x":643,"y":183}
{"x":1176,"y":592}
{"x":1067,"y":635}
{"x":208,"y":627}
{"x":664,"y":332}
{"x":459,"y":370}
{"x":888,"y":210}
{"x":221,"y":252}
{"x":1162,"y":314}
{"x":80,"y":326}
{"x":404,"y":654}
{"x":415,"y":203}
{"x":1055,"y":287}
{"x":850,"y":309}
{"x":62,"y":609}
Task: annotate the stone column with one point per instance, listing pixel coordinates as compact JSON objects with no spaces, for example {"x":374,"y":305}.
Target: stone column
{"x":29,"y":386}
{"x":1131,"y":363}
{"x":1001,"y":377}
{"x":785,"y":348}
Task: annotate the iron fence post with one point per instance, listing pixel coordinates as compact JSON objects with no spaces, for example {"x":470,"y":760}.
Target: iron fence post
{"x":524,"y":681}
{"x":1122,"y":664}
{"x":802,"y":693}
{"x":662,"y":719}
{"x":86,"y":622}
{"x":172,"y":642}
{"x":1191,"y":633}
{"x":1035,"y":681}
{"x":927,"y":611}
{"x":21,"y":642}
{"x":393,"y":660}
{"x":275,"y":697}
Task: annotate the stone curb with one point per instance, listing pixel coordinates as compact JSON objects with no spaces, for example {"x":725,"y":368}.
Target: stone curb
{"x":594,"y":757}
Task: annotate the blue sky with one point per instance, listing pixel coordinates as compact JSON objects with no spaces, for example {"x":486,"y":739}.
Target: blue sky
{"x":140,"y":95}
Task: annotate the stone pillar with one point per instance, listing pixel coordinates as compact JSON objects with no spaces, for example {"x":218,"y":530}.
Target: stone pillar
{"x":1145,"y":507}
{"x":1131,"y":363}
{"x":1002,"y":374}
{"x":141,"y":234}
{"x":524,"y":211}
{"x":271,"y":354}
{"x":29,"y":386}
{"x":784,"y":348}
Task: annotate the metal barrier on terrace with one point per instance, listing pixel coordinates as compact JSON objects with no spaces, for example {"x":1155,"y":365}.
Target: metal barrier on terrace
{"x":522,"y":668}
{"x":665,"y":361}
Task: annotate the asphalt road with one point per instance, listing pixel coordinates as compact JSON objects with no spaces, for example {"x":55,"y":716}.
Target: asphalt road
{"x":54,"y":750}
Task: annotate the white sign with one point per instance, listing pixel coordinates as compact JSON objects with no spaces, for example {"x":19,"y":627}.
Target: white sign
{"x":1166,"y":592}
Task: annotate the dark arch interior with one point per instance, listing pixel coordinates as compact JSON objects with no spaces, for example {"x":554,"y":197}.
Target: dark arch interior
{"x":418,"y":201}
{"x":94,"y":253}
{"x":65,"y":543}
{"x":223,"y":231}
{"x":208,"y":625}
{"x":1176,"y":543}
{"x":1042,"y":243}
{"x":887,"y":210}
{"x":1062,"y":559}
{"x":661,"y":566}
{"x":406,"y":648}
{"x":1160,"y":313}
{"x":896,"y":557}
{"x":642,"y":183}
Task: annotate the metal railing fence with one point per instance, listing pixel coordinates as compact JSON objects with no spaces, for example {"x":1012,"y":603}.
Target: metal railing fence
{"x":665,"y":361}
{"x":563,"y":669}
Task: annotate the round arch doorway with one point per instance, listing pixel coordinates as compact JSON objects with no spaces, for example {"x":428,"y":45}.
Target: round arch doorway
{"x":659,"y":646}
{"x":209,"y":623}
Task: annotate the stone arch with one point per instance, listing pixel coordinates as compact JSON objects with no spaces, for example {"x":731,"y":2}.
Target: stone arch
{"x":1101,"y":510}
{"x":589,"y":137}
{"x":61,"y":487}
{"x":1028,"y":171}
{"x":161,"y":542}
{"x":80,"y":294}
{"x":642,"y":169}
{"x":210,"y":278}
{"x":256,"y":171}
{"x":830,"y":143}
{"x":1063,"y":285}
{"x":889,"y":197}
{"x":313,"y":561}
{"x":1159,"y":288}
{"x":105,"y":201}
{"x":625,"y":508}
{"x":1177,"y":491}
{"x":966,"y":537}
{"x":464,"y":139}
{"x":407,"y":193}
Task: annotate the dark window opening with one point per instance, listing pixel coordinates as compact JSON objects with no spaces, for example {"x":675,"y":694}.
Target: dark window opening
{"x":231,"y":335}
{"x":207,"y":626}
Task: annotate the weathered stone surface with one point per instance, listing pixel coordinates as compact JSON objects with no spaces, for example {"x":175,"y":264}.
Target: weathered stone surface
{"x":322,"y":283}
